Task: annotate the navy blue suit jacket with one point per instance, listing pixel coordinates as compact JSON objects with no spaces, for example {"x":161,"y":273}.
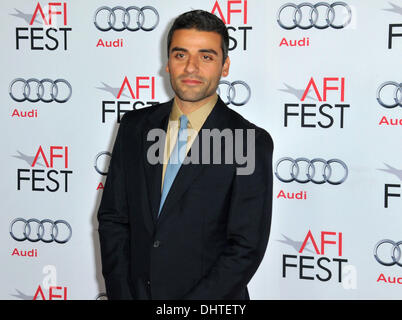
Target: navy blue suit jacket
{"x":213,"y":229}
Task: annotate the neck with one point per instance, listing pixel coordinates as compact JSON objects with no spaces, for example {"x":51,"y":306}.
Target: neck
{"x":188,"y":106}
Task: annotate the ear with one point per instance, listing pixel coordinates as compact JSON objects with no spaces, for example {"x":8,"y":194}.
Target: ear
{"x":167,"y":67}
{"x":225,"y":69}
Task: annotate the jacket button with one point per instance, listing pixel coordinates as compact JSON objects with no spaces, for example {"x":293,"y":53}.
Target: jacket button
{"x":157,"y":243}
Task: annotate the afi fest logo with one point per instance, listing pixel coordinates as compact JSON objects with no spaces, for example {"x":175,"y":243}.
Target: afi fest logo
{"x":53,"y":174}
{"x":394,"y":29}
{"x":330,"y":110}
{"x":49,"y":289}
{"x":318,"y":262}
{"x":392,"y":190}
{"x":234,"y":14}
{"x":138,"y":92}
{"x":43,"y":32}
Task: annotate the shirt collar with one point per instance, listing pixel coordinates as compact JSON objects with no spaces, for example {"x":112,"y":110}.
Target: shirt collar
{"x":197,"y":117}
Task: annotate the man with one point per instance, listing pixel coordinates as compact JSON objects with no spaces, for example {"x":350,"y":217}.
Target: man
{"x":186,"y":230}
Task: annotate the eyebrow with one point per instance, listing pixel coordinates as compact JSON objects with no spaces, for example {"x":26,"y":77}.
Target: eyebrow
{"x":201,"y":50}
{"x":209,"y":51}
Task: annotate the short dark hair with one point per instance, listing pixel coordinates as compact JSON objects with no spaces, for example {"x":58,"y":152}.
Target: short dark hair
{"x":202,"y":21}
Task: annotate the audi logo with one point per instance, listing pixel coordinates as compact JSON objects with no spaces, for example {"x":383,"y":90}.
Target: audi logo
{"x":101,"y":296}
{"x":45,"y":234}
{"x":397,"y":95}
{"x":106,"y":153}
{"x":231,"y":92}
{"x":139,"y":18}
{"x":40,"y":90}
{"x":310,"y":171}
{"x":395,"y":252}
{"x":299,"y":20}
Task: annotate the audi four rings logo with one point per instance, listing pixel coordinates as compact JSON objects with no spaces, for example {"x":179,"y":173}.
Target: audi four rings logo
{"x":395,"y":252}
{"x":397,"y":95}
{"x":231,"y":92}
{"x":139,"y":18}
{"x":51,"y":96}
{"x":310,"y":172}
{"x":313,"y":16}
{"x":106,"y":153}
{"x":47,"y":235}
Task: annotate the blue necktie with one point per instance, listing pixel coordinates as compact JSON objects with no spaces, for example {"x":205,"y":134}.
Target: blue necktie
{"x":175,"y":160}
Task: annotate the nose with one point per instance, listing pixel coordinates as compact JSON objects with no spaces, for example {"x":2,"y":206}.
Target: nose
{"x":192,"y":65}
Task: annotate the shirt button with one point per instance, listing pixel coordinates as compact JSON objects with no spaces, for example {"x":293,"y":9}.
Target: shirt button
{"x":157,"y":243}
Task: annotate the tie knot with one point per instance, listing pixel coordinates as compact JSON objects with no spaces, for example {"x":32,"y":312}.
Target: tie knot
{"x":183,"y":121}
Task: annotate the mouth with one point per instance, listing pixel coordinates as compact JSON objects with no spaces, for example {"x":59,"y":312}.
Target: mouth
{"x":191,"y":82}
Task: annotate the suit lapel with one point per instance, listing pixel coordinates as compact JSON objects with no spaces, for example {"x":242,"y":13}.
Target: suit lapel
{"x":187,"y":173}
{"x":153,"y":172}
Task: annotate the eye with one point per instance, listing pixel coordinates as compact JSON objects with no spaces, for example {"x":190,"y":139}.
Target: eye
{"x":207,"y":57}
{"x":179,"y":55}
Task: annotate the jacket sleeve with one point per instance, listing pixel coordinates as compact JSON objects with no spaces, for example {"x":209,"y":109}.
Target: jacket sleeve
{"x":248,"y":228}
{"x":113,"y":229}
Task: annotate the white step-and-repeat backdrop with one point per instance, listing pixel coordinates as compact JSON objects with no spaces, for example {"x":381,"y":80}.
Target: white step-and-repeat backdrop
{"x":324,"y":78}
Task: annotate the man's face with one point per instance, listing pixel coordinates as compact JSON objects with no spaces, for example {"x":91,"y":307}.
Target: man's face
{"x":195,"y":64}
